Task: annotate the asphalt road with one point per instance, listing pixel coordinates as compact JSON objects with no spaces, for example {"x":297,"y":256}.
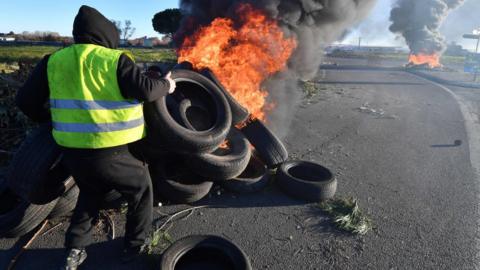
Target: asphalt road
{"x":391,"y":139}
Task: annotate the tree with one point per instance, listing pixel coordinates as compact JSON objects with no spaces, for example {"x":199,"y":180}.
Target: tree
{"x":167,"y":22}
{"x":124,"y":32}
{"x":128,"y":30}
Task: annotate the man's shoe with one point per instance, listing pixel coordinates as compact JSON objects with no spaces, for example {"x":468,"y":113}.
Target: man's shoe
{"x":74,"y":258}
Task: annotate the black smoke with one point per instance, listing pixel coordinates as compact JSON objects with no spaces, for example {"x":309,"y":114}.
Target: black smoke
{"x":418,"y":21}
{"x":313,"y":23}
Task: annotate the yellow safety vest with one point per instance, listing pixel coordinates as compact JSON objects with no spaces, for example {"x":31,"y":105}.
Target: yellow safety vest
{"x":87,"y":107}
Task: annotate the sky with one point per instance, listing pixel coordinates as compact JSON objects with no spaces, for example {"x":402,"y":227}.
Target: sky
{"x":57,"y":16}
{"x":374,"y":30}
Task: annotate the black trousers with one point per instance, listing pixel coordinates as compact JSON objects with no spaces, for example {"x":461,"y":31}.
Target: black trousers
{"x":97,"y":172}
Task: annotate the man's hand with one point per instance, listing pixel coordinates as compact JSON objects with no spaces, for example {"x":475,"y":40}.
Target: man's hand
{"x":173,"y":84}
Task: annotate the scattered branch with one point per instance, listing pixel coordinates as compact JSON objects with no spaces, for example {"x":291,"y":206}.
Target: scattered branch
{"x":110,"y":224}
{"x":27,"y":245}
{"x":52,"y":228}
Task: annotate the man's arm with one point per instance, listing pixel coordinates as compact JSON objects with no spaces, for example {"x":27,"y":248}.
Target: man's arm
{"x":32,"y":97}
{"x":134,"y":84}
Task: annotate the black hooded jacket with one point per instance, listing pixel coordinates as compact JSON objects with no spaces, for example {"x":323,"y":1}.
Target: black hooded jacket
{"x":90,"y":27}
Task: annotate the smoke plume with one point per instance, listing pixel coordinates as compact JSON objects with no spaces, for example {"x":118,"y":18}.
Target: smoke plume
{"x":313,"y":23}
{"x":418,"y":21}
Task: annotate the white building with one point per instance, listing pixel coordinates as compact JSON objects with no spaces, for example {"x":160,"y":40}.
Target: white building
{"x":7,"y":39}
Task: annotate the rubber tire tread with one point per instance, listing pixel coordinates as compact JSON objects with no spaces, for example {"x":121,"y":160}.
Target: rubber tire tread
{"x":173,"y":253}
{"x":24,"y":217}
{"x":31,"y":163}
{"x":268,"y":146}
{"x":171,"y":189}
{"x":250,"y":184}
{"x":66,"y":203}
{"x":305,"y":190}
{"x":222,"y":167}
{"x":163,"y":127}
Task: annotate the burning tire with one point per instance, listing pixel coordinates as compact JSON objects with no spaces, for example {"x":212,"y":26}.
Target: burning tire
{"x":239,"y":113}
{"x":269,"y":148}
{"x":195,"y":115}
{"x":18,"y":216}
{"x":165,"y":130}
{"x":35,"y":172}
{"x":306,"y":180}
{"x":178,"y":187}
{"x":253,"y":179}
{"x":204,"y":252}
{"x":67,"y":202}
{"x":224,"y":163}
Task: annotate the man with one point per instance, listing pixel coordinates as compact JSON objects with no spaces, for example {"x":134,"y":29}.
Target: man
{"x":95,"y":94}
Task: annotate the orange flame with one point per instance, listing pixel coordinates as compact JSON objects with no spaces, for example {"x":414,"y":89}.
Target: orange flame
{"x":241,"y":54}
{"x":433,"y":60}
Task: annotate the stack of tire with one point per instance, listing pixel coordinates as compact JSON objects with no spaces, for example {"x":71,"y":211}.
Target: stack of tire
{"x":37,"y":186}
{"x":193,"y":141}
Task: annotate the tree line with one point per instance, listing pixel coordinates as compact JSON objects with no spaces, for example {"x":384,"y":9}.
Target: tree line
{"x":165,"y":22}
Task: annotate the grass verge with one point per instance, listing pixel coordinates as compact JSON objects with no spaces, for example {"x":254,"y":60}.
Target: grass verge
{"x":15,"y":54}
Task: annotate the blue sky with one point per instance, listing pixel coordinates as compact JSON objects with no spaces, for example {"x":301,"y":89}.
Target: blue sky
{"x":58,"y":15}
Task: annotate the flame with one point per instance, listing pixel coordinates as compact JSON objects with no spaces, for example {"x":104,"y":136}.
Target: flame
{"x":433,"y":60}
{"x":242,"y":54}
{"x":225,"y":145}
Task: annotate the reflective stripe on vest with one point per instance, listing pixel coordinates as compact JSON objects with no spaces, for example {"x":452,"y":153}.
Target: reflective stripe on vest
{"x":87,"y":107}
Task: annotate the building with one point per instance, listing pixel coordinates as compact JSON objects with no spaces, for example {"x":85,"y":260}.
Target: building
{"x":146,"y":42}
{"x":7,"y":39}
{"x":362,"y":49}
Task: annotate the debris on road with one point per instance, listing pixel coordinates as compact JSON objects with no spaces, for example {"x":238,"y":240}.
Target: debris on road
{"x":14,"y":260}
{"x":346,"y":215}
{"x":378,"y":112}
{"x":160,"y":238}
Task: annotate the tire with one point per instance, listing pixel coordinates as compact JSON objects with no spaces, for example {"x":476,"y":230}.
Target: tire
{"x":184,"y":65}
{"x":223,"y":164}
{"x":66,"y":203}
{"x":306,"y":180}
{"x":239,"y":113}
{"x":164,"y":130}
{"x":253,"y":179}
{"x":35,"y":172}
{"x":178,"y":187}
{"x":269,"y":148}
{"x":194,"y":115}
{"x":18,"y":216}
{"x":204,"y":252}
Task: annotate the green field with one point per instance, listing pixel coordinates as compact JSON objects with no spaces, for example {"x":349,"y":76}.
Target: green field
{"x":12,"y":54}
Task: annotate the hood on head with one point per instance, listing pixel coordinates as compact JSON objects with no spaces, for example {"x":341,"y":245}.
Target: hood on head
{"x":91,"y":27}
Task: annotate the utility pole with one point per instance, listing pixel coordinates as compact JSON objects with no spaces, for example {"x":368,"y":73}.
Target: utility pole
{"x":476,"y":54}
{"x":360,"y":42}
{"x":477,"y":37}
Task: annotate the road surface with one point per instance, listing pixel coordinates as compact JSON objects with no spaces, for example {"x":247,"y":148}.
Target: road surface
{"x":398,"y":143}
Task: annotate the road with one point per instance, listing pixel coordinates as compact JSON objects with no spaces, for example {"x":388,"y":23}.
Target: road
{"x":398,"y":143}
